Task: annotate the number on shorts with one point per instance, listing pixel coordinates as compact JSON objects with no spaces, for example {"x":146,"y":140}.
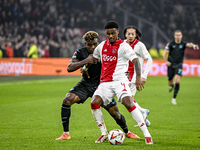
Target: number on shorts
{"x":123,"y":84}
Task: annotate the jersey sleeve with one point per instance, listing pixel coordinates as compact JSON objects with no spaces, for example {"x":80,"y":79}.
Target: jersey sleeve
{"x":167,"y":46}
{"x":77,"y":55}
{"x":144,"y":54}
{"x":128,"y":51}
{"x":97,"y":51}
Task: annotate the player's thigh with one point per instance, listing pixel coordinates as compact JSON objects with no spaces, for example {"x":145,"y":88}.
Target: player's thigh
{"x":133,"y":89}
{"x":170,"y":73}
{"x":179,"y":70}
{"x":81,"y":91}
{"x":105,"y":92}
{"x":178,"y":73}
{"x":122,"y":89}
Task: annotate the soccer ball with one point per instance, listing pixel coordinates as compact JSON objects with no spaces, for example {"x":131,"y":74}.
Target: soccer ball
{"x":116,"y":137}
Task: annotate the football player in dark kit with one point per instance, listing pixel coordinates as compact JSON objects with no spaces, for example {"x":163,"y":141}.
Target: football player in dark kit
{"x":84,"y":89}
{"x":174,"y":62}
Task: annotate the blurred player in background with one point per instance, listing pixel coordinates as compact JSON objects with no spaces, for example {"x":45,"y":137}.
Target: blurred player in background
{"x":85,"y":88}
{"x":115,"y":54}
{"x":174,"y":62}
{"x":132,"y":34}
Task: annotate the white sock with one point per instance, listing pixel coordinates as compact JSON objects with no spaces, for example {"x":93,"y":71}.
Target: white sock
{"x":98,"y":117}
{"x":137,"y":116}
{"x":138,"y":106}
{"x":67,"y":132}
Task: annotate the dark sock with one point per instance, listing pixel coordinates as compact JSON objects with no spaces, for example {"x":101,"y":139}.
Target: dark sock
{"x":176,"y":89}
{"x":65,"y":115}
{"x":122,"y":123}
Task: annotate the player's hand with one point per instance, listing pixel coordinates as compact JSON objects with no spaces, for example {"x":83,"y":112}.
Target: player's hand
{"x":85,"y":71}
{"x":127,"y":74}
{"x":168,"y":63}
{"x":139,"y":84}
{"x":195,"y":47}
{"x":144,"y":81}
{"x":91,"y":60}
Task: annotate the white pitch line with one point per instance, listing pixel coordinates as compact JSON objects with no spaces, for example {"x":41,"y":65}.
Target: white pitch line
{"x":32,"y":82}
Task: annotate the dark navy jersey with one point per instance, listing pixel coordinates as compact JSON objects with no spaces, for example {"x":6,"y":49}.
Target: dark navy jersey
{"x":94,"y":70}
{"x":176,"y":53}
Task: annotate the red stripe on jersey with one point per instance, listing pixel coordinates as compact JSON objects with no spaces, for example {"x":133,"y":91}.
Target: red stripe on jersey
{"x":109,"y":59}
{"x":131,"y":65}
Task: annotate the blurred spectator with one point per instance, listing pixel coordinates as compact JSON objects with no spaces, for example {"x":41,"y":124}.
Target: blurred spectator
{"x":67,"y":49}
{"x":19,"y":46}
{"x":62,"y":22}
{"x":54,"y":48}
{"x":45,"y":49}
{"x":33,"y":51}
{"x":9,"y":50}
{"x":1,"y":53}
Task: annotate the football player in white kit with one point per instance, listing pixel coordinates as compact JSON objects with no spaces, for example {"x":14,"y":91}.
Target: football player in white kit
{"x":131,"y":35}
{"x":114,"y":55}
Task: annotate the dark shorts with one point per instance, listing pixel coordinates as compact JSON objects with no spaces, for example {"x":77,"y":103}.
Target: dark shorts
{"x":111,"y":104}
{"x":80,"y":89}
{"x":172,"y":71}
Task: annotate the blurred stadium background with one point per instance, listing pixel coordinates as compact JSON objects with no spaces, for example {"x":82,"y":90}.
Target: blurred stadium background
{"x":57,"y":26}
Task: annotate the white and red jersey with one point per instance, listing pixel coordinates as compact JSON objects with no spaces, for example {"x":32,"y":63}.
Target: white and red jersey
{"x":131,"y":65}
{"x":141,"y":51}
{"x":114,"y":59}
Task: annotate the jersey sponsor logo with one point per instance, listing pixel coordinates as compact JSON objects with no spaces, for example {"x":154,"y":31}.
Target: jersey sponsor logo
{"x":109,"y":58}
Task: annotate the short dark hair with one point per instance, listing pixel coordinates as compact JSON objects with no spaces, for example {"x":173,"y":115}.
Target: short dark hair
{"x":139,"y":34}
{"x":111,"y":24}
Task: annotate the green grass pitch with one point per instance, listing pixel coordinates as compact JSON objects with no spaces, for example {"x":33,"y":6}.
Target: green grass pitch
{"x":30,"y":116}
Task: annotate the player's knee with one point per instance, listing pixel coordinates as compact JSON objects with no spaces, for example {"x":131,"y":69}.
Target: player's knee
{"x":68,"y":100}
{"x":115,"y":113}
{"x":96,"y":102}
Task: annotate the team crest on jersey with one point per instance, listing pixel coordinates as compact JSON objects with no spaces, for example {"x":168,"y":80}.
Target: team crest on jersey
{"x":114,"y":50}
{"x":180,"y":46}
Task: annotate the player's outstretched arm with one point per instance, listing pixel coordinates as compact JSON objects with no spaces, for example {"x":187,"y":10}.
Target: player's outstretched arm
{"x":75,"y":64}
{"x":192,"y":45}
{"x":138,"y":82}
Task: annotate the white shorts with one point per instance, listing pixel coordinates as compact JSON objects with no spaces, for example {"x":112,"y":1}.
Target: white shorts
{"x":133,"y":88}
{"x":107,"y":90}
